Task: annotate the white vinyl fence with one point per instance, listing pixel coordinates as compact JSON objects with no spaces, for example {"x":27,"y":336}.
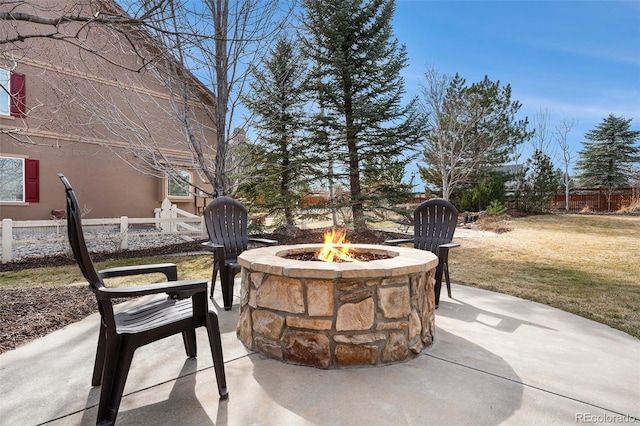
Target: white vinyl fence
{"x":38,"y":238}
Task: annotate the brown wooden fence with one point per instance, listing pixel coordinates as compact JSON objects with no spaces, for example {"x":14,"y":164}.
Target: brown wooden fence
{"x":597,"y":199}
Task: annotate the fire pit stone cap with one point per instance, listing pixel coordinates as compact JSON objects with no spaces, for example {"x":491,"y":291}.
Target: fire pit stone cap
{"x":401,"y":261}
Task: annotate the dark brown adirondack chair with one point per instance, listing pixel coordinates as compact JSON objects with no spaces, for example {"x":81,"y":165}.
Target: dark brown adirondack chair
{"x":185,"y":308}
{"x":434,"y":222}
{"x":226,"y":221}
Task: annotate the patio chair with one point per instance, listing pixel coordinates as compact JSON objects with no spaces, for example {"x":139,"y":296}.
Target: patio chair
{"x":121,"y":333}
{"x":226,"y":221}
{"x":434,"y":222}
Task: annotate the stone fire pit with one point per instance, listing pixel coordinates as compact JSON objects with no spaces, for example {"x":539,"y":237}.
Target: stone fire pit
{"x":332,"y":315}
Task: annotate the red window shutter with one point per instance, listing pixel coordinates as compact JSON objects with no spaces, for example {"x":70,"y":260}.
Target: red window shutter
{"x":18,"y":87}
{"x":32,"y":181}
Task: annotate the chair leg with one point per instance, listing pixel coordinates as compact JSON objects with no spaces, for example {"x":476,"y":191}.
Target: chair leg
{"x":438,"y":284}
{"x":98,"y":366}
{"x":108,"y":409}
{"x":213,"y":331}
{"x":226,"y":280}
{"x":445,"y":265}
{"x":111,"y":360}
{"x":214,"y":275}
{"x":446,"y":276}
{"x":189,"y":338}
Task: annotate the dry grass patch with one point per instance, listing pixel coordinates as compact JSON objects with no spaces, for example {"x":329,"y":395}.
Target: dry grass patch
{"x":634,"y":207}
{"x":494,"y":223}
{"x":587,"y":265}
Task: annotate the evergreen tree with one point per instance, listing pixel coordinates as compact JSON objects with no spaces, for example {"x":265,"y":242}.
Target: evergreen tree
{"x":275,"y":178}
{"x":491,"y":188}
{"x":609,"y":154}
{"x":539,"y":185}
{"x":356,"y":77}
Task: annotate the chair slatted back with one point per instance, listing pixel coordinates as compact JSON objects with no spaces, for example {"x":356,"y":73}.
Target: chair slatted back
{"x":226,"y":221}
{"x":434,"y":223}
{"x":81,"y":253}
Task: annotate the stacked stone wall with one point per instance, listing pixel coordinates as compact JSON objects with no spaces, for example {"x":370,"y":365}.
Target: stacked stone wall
{"x":337,"y":323}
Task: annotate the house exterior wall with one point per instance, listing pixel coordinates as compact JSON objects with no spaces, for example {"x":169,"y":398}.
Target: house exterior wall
{"x":82,"y":112}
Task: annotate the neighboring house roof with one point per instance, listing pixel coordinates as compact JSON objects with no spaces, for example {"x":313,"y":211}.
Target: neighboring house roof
{"x":511,"y":169}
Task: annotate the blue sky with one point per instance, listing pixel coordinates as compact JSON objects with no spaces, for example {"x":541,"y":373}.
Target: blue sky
{"x":578,"y":60}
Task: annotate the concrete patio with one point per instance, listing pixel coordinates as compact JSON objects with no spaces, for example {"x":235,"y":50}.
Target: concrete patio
{"x":496,"y":360}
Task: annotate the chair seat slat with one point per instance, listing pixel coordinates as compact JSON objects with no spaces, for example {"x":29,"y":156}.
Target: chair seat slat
{"x":167,"y":312}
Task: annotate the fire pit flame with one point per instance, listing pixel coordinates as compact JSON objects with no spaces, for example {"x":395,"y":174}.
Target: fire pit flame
{"x":330,"y":253}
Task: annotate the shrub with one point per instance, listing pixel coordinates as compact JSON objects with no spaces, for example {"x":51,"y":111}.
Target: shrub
{"x":496,"y":208}
{"x":491,"y":187}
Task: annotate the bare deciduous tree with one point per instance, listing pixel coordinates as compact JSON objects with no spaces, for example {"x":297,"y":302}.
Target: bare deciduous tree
{"x":561,"y":136}
{"x":197,"y":52}
{"x":471,"y":129}
{"x":73,"y":23}
{"x":541,"y":136}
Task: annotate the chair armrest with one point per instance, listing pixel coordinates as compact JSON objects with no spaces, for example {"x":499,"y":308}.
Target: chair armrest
{"x":176,"y":289}
{"x":217,"y":249}
{"x":448,"y":246}
{"x":208,"y":245}
{"x":443,"y":249}
{"x":263,"y":241}
{"x":170,"y":270}
{"x":398,"y":241}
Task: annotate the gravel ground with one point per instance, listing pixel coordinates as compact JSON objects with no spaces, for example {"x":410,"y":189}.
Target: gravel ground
{"x":35,"y":245}
{"x":26,"y":314}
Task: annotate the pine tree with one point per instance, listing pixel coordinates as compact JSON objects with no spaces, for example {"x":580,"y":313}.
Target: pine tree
{"x":275,"y":180}
{"x":539,"y":184}
{"x":609,"y":154}
{"x":356,"y":77}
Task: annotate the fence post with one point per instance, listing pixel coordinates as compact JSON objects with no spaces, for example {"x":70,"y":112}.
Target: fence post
{"x":174,"y":215}
{"x":156,"y":215}
{"x":165,"y":213}
{"x":203,"y":228}
{"x":7,"y":240}
{"x":124,"y":232}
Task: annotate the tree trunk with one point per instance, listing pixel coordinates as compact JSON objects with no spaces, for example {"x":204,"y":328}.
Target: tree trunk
{"x":285,"y":181}
{"x":445,"y":187}
{"x":221,"y":67}
{"x":357,"y":209}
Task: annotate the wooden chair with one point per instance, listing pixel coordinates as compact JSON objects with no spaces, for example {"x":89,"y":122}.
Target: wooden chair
{"x":434,"y":222}
{"x":226,"y":221}
{"x":185,"y":308}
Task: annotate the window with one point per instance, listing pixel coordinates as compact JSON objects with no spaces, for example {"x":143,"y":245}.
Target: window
{"x":4,"y":92}
{"x":13,"y":94}
{"x":19,"y":180}
{"x":178,"y":184}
